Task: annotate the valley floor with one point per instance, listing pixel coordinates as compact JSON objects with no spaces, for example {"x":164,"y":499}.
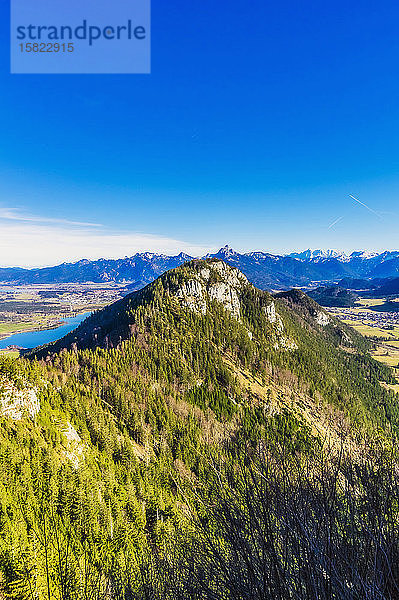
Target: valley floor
{"x":383,"y":327}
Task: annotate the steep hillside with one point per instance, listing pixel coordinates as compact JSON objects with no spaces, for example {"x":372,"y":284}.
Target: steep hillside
{"x":121,"y":430}
{"x":349,"y":283}
{"x":209,"y":309}
{"x":390,"y":287}
{"x":333,"y":296}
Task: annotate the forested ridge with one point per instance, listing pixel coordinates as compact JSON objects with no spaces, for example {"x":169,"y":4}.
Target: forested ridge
{"x":201,"y":439}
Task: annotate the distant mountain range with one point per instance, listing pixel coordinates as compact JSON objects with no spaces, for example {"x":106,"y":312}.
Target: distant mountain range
{"x":265,"y":270}
{"x":317,"y":255}
{"x":136,"y":271}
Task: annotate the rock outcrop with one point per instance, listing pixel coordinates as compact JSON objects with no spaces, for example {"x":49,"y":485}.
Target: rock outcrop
{"x":74,"y":445}
{"x":322,"y":319}
{"x":274,"y":317}
{"x":191,"y":295}
{"x":217,"y":282}
{"x":18,"y":401}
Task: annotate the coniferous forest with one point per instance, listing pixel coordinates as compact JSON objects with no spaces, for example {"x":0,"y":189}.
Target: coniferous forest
{"x":200,"y":439}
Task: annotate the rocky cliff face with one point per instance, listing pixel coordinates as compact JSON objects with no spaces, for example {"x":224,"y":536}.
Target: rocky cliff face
{"x":322,"y":319}
{"x":225,"y":285}
{"x":74,"y":450}
{"x":216,"y":282}
{"x":18,"y":401}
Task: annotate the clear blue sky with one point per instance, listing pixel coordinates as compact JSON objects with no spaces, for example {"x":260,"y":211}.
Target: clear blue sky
{"x":257,"y":122}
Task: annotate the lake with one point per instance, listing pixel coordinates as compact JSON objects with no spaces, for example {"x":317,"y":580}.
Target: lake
{"x":31,"y":339}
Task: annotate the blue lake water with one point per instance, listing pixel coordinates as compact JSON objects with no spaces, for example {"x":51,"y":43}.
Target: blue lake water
{"x":31,"y":339}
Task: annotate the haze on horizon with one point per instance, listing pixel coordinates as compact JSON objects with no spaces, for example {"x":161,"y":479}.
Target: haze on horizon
{"x":52,"y":243}
{"x":29,"y":241}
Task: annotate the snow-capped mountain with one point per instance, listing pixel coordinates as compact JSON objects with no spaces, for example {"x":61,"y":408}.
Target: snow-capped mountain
{"x":364,"y":255}
{"x":265,"y":270}
{"x":308,"y":255}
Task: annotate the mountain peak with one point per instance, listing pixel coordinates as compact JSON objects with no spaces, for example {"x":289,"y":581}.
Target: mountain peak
{"x":363,"y":254}
{"x":318,"y":254}
{"x":211,"y":280}
{"x":196,"y":285}
{"x":226,"y":251}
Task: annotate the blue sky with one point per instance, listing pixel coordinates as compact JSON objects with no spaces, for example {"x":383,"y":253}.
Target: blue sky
{"x":257,"y":122}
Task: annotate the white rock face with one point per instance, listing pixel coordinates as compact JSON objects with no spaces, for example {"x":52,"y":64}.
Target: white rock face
{"x":205,"y":274}
{"x":274,"y":317}
{"x":285,"y":343}
{"x":75,"y":447}
{"x":322,"y":319}
{"x":231,"y":275}
{"x":194,"y":293}
{"x":191,"y":295}
{"x":270,"y":311}
{"x":17,"y":403}
{"x":282,"y":342}
{"x":222,"y":283}
{"x":226,"y":295}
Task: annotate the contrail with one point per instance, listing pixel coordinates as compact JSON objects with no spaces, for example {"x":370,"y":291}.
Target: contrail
{"x":335,"y":222}
{"x":365,"y":206}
